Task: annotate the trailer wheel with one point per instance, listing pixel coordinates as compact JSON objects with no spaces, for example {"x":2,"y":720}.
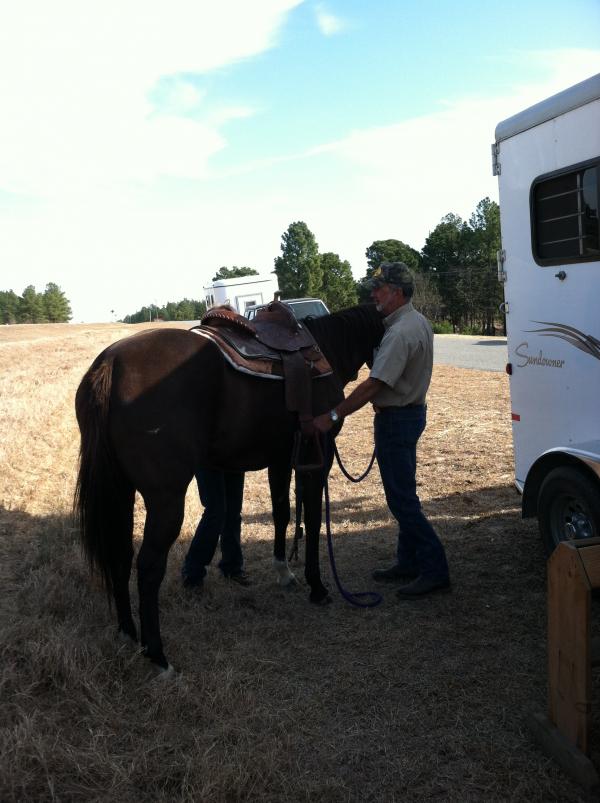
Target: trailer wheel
{"x":568,"y":507}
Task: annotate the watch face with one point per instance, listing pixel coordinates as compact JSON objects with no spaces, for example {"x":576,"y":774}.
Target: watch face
{"x":334,"y":416}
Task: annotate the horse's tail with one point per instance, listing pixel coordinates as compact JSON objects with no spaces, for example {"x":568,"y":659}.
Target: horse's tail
{"x":102,"y":494}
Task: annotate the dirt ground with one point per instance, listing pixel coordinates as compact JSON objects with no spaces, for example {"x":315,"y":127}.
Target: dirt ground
{"x":276,"y":699}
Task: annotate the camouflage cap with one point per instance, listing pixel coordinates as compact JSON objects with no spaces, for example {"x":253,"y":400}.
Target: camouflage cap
{"x":396,"y":273}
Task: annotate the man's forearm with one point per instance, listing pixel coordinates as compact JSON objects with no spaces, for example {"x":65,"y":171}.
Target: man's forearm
{"x":361,"y":395}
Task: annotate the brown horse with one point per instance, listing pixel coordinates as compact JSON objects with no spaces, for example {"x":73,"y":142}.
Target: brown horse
{"x":154,"y":407}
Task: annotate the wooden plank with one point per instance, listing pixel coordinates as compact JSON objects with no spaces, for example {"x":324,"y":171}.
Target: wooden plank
{"x":572,"y":760}
{"x":569,"y":657}
{"x":578,"y":543}
{"x":590,"y":557}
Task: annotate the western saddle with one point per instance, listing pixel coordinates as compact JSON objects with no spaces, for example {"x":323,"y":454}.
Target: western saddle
{"x":274,"y":346}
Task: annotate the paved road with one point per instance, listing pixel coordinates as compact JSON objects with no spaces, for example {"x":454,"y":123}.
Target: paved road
{"x":464,"y":351}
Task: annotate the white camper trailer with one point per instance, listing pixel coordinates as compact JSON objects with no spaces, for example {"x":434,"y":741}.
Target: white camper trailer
{"x":243,"y":292}
{"x":547,"y":159}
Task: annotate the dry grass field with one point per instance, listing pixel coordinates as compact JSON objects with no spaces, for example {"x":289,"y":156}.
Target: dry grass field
{"x":276,"y":699}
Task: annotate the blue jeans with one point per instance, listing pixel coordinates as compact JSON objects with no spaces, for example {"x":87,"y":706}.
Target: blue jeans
{"x":221,"y":494}
{"x":419,"y":550}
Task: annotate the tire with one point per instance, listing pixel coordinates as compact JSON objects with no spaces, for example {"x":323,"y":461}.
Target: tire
{"x":568,"y":507}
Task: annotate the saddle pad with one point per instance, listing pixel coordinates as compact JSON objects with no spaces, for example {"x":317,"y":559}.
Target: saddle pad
{"x":259,"y":360}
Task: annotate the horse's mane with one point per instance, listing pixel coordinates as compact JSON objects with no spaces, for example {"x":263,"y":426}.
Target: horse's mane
{"x":356,"y":330}
{"x":335,"y":326}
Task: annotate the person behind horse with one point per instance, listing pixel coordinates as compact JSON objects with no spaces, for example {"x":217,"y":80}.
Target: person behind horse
{"x":397,"y":386}
{"x":221,"y":494}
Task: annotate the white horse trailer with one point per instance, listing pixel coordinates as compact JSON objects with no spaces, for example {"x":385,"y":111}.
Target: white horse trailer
{"x":243,"y":292}
{"x":547,"y":159}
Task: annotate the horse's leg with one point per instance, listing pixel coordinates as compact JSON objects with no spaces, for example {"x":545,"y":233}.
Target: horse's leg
{"x":279,"y":485}
{"x":314,"y":482}
{"x":312,"y":499}
{"x":164,"y":517}
{"x":120,"y":563}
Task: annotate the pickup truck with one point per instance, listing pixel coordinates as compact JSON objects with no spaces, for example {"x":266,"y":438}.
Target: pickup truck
{"x":301,"y":307}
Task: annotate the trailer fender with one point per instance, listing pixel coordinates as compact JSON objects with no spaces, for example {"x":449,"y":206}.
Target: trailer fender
{"x":586,"y":458}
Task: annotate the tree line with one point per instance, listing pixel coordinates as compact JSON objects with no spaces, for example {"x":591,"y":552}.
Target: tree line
{"x":51,"y":306}
{"x":455,"y":272}
{"x":188,"y":309}
{"x":456,"y":283}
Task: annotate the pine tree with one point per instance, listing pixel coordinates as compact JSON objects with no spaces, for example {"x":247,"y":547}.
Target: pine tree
{"x":444,"y":258}
{"x":233,"y":273}
{"x":9,"y":306}
{"x":31,"y":306}
{"x":387,"y":251}
{"x":485,"y":242}
{"x":298,"y":269}
{"x":339,"y":288}
{"x":56,"y":306}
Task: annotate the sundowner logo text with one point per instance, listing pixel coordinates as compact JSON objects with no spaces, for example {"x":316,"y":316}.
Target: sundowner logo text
{"x":539,"y":359}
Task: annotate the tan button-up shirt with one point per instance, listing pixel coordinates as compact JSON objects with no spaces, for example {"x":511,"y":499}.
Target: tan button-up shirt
{"x":404,"y":359}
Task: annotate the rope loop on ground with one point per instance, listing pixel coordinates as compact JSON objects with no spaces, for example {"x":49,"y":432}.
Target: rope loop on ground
{"x":343,"y":469}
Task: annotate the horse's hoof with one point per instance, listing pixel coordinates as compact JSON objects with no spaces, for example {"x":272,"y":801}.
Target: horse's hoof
{"x":166,"y":675}
{"x":158,"y":662}
{"x":291,"y":584}
{"x":285,"y":577}
{"x":161,"y":674}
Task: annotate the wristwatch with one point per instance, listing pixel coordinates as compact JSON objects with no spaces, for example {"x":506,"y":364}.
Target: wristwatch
{"x":334,"y":416}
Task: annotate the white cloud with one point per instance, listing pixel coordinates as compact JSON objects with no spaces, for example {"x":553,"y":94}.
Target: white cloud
{"x":400,"y":180}
{"x":75,"y":79}
{"x":327,"y":22}
{"x":181,"y":97}
{"x":407,"y":176}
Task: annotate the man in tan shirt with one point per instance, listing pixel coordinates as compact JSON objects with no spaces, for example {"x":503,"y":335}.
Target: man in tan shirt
{"x":397,"y":387}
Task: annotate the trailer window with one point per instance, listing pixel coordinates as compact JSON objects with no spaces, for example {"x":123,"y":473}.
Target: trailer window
{"x":565,"y":216}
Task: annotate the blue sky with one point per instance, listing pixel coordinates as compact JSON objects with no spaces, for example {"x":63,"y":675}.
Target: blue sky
{"x":145,"y":144}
